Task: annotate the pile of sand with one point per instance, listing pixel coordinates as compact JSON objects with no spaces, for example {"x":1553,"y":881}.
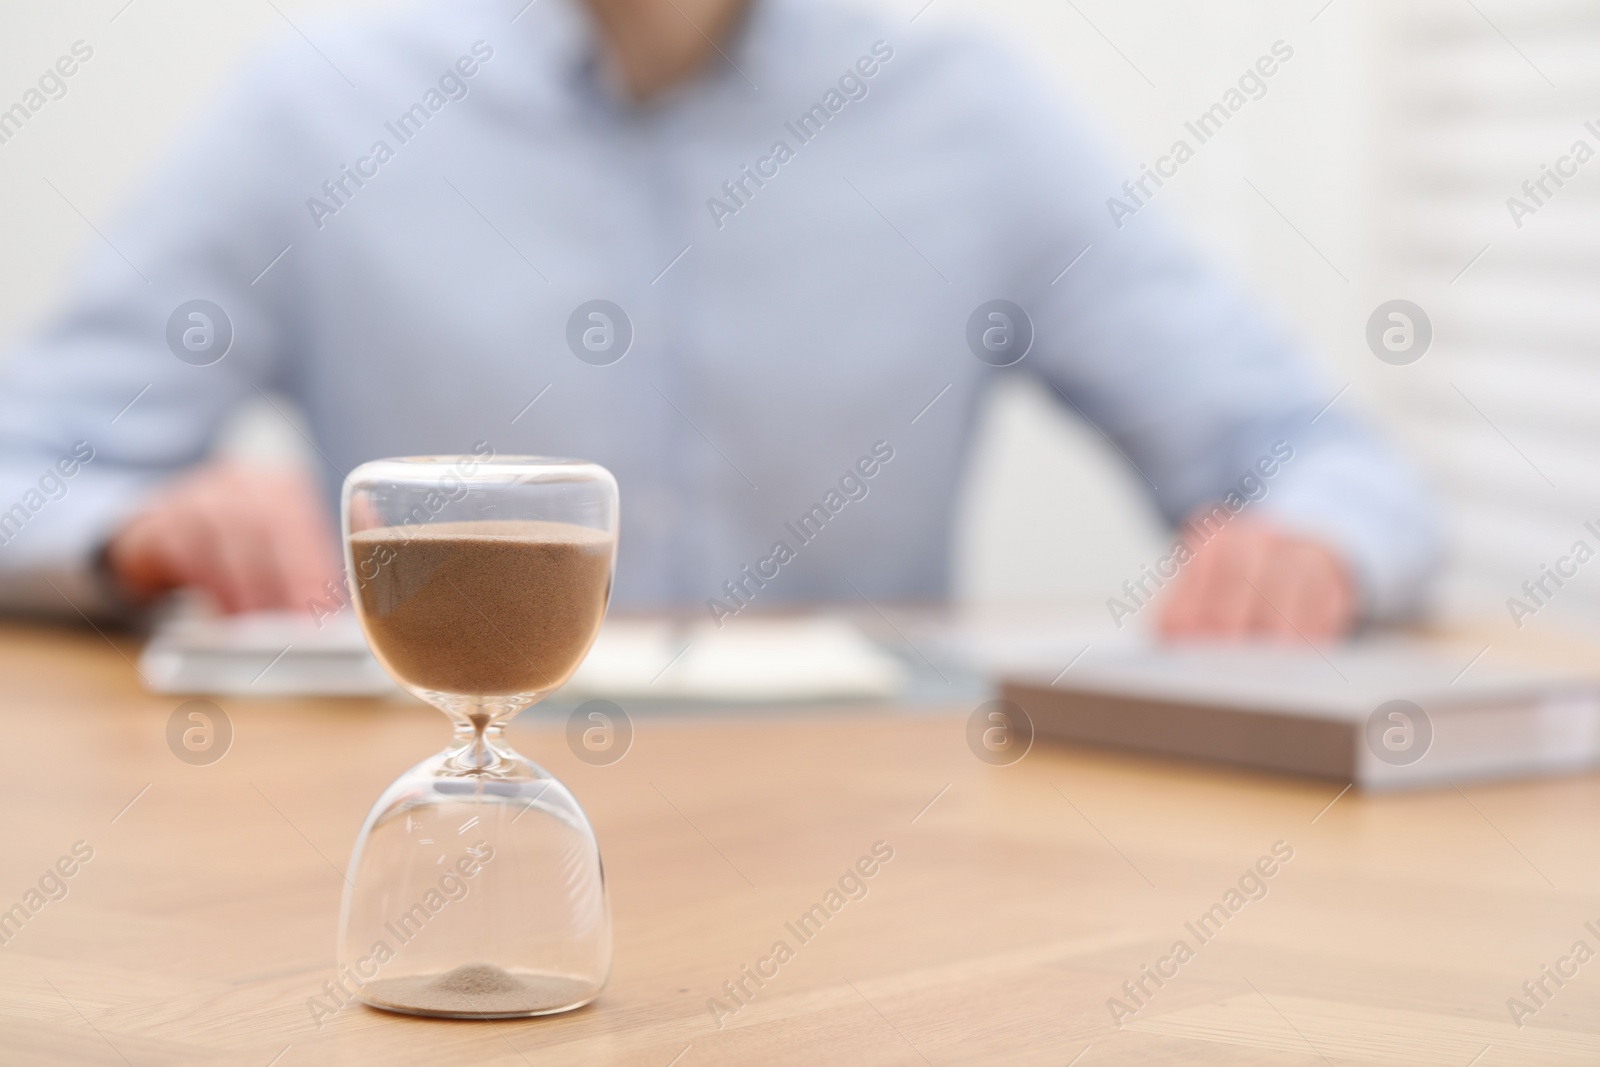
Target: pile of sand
{"x":479,"y":990}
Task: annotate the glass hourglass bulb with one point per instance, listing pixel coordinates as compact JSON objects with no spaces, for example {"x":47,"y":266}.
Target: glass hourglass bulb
{"x":475,"y":886}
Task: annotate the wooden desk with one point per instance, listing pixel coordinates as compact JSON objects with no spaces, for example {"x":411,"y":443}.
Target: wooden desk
{"x":1019,"y":899}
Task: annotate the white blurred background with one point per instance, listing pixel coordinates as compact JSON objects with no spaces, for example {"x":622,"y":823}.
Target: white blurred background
{"x":1377,"y":167}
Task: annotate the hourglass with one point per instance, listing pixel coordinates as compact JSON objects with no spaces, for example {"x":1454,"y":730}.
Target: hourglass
{"x":475,"y":887}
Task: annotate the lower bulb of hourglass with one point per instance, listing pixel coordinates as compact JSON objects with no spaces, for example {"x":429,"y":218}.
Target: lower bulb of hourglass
{"x":475,"y":897}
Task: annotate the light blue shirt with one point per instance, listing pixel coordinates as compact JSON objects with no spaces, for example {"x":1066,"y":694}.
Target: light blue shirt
{"x":404,"y":224}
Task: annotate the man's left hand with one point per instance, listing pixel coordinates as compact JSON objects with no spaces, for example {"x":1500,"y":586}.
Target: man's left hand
{"x":1255,"y":579}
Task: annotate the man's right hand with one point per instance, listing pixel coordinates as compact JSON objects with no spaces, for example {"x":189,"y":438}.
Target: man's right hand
{"x":256,"y":538}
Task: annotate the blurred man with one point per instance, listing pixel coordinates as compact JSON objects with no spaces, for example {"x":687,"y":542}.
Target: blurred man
{"x":740,"y":253}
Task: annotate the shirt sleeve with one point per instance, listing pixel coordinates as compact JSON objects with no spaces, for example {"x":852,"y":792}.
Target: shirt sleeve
{"x":1191,"y":381}
{"x":170,"y":323}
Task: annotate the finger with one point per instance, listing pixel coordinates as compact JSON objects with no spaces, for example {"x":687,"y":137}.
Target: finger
{"x":234,"y":524}
{"x":1200,"y":579}
{"x":137,"y":562}
{"x":1272,"y":584}
{"x":234,"y":512}
{"x":1181,"y":610}
{"x":1327,"y":599}
{"x":156,"y":550}
{"x":1281,"y":615}
{"x":302,"y":542}
{"x":1313,"y":590}
{"x":295,"y":539}
{"x":212,"y":542}
{"x":1233,"y":602}
{"x":183,"y":553}
{"x":1176,"y":612}
{"x":1214,"y":597}
{"x":205,"y":560}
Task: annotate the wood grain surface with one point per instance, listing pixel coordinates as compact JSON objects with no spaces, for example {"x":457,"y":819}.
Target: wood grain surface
{"x":1018,"y":901}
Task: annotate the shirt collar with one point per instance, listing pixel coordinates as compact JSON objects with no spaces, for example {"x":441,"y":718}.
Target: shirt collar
{"x":564,"y":33}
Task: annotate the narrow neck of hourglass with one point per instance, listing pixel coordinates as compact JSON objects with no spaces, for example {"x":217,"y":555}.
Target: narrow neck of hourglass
{"x":479,"y":742}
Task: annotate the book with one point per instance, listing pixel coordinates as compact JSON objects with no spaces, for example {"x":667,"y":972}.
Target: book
{"x":1381,"y":713}
{"x":261,"y":654}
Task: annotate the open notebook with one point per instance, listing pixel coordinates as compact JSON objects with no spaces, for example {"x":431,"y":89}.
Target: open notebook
{"x":1382,"y":713}
{"x":777,"y":659}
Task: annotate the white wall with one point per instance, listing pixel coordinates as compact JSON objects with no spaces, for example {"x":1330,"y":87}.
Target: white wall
{"x":153,"y":68}
{"x":1052,"y":510}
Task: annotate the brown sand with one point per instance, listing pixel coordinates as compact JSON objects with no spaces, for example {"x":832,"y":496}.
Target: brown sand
{"x":488,"y":608}
{"x":476,"y":990}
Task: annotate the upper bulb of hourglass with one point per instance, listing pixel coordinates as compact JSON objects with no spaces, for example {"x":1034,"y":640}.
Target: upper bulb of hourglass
{"x":482,"y":618}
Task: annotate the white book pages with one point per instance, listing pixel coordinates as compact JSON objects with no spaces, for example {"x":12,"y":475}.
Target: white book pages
{"x":756,"y":660}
